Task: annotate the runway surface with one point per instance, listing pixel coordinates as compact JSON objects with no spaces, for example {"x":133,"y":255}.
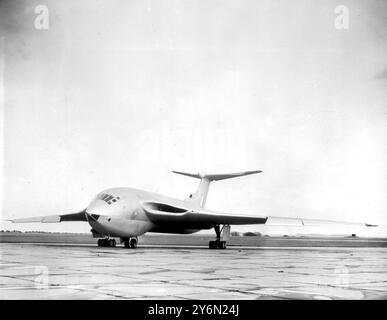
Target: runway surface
{"x":65,"y":271}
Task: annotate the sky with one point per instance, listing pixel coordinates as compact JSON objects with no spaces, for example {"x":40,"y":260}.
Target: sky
{"x":119,"y":93}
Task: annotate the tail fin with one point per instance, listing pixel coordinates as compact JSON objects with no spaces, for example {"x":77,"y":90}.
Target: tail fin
{"x":200,"y":196}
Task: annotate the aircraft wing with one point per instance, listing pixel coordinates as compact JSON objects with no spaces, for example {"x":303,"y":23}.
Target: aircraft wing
{"x":78,"y":216}
{"x":167,"y":214}
{"x":284,"y":221}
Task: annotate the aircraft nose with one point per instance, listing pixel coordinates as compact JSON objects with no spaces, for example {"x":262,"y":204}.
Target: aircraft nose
{"x":93,"y":212}
{"x":95,"y":208}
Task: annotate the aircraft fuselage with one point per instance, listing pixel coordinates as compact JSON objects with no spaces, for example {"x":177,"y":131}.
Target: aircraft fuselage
{"x":118,"y":212}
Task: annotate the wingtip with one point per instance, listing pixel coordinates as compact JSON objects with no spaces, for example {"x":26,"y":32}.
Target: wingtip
{"x":371,"y":225}
{"x":253,"y":172}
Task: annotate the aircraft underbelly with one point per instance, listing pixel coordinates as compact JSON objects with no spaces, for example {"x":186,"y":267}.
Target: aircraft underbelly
{"x":160,"y":229}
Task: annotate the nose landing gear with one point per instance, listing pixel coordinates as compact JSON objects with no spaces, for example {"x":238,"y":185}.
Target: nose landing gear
{"x":106,"y":242}
{"x":130,"y":242}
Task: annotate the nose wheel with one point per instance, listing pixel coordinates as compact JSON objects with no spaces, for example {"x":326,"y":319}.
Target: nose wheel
{"x":217,"y":244}
{"x":106,"y":242}
{"x":130,"y":242}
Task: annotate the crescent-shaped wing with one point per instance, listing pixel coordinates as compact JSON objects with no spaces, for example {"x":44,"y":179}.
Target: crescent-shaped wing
{"x":78,"y":216}
{"x":164,"y":214}
{"x":167,"y":214}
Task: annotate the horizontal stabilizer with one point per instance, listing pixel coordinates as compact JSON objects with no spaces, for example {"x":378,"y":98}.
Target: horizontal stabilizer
{"x":216,"y":177}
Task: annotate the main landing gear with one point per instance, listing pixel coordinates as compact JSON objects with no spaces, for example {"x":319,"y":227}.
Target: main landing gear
{"x":130,"y":242}
{"x":217,"y":244}
{"x":106,"y":242}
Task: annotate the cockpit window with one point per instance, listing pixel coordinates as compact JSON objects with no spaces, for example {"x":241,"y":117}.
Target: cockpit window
{"x":108,"y":198}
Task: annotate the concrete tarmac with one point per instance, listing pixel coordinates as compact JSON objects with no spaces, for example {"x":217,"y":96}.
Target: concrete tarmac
{"x":65,"y":271}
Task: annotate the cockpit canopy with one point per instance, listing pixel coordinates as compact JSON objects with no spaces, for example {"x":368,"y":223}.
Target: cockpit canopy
{"x":108,"y":198}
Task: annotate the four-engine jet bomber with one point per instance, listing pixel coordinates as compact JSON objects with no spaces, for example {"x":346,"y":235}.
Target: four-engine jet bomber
{"x":126,"y":213}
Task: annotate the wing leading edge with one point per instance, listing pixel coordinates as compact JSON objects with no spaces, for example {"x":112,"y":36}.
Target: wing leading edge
{"x":78,"y":216}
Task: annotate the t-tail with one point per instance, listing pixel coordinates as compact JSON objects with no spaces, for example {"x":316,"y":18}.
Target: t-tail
{"x":200,"y":196}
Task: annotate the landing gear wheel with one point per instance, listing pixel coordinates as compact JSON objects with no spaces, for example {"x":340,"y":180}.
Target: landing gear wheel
{"x":106,"y":242}
{"x":133,"y":243}
{"x":130,"y":242}
{"x":217,"y":244}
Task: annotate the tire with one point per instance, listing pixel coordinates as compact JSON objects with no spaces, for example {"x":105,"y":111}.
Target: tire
{"x":219,"y":244}
{"x":99,"y":242}
{"x":127,"y":243}
{"x":133,"y":243}
{"x":112,"y":242}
